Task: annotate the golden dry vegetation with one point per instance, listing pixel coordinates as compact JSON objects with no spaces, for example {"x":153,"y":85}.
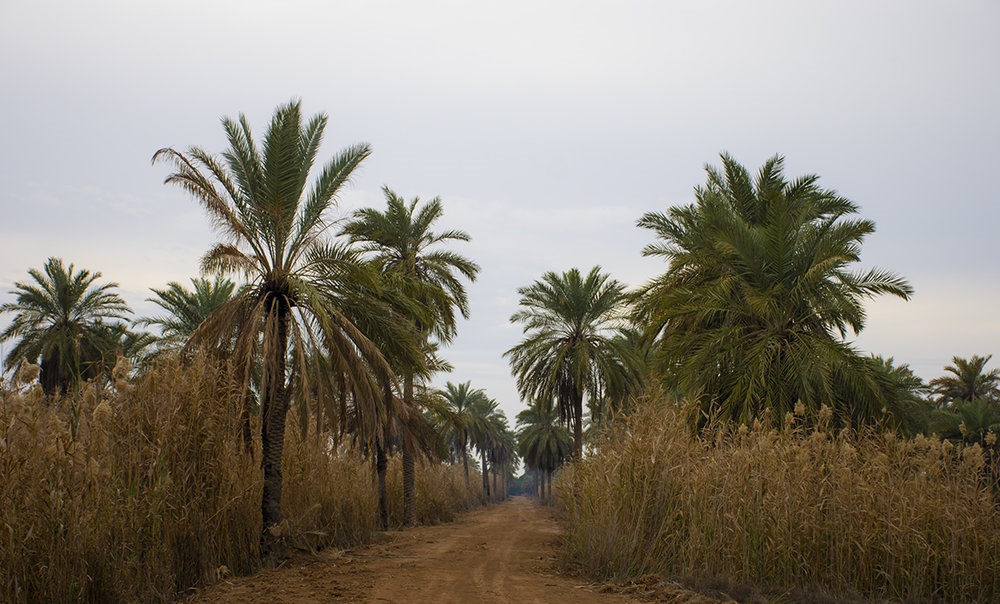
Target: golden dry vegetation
{"x":140,"y":492}
{"x":870,"y":513}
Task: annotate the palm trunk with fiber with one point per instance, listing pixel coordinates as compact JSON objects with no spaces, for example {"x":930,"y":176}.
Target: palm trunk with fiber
{"x":409,"y":471}
{"x":381,"y":463}
{"x":274,"y":411}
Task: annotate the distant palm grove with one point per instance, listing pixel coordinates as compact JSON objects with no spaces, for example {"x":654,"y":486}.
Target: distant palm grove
{"x":715,"y":422}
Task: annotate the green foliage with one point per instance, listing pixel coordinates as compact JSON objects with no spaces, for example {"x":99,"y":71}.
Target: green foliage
{"x":68,"y":321}
{"x":543,"y":442}
{"x":969,"y":380}
{"x":759,"y":295}
{"x":573,"y":343}
{"x":186,"y":309}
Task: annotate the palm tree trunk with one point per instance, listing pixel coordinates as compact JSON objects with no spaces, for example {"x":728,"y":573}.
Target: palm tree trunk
{"x":274,"y":410}
{"x":381,"y":463}
{"x":577,"y":426}
{"x":486,"y":480}
{"x":465,"y":462}
{"x":409,"y":471}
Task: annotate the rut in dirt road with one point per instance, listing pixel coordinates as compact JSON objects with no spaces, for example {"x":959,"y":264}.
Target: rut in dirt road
{"x":502,"y":553}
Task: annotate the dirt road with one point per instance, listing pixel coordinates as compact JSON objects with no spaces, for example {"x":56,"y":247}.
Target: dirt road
{"x":503,"y":553}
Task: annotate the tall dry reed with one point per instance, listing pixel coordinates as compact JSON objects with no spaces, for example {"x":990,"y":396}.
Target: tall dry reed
{"x":440,"y":492}
{"x":140,"y":493}
{"x":865,"y":513}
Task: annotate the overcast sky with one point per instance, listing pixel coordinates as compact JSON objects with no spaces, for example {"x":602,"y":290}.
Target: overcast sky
{"x":547,"y":128}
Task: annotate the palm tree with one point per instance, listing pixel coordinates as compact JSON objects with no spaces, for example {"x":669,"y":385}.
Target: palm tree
{"x":968,"y":381}
{"x":758,"y":297}
{"x":542,"y":442}
{"x":273,"y":229}
{"x":462,"y":419}
{"x":186,"y":309}
{"x":573,"y":343}
{"x":970,"y":421}
{"x":62,"y":318}
{"x":502,"y":454}
{"x":483,"y":433}
{"x":407,"y":251}
{"x":904,"y":395}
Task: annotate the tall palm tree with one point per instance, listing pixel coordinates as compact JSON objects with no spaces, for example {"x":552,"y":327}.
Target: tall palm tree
{"x":185,"y":309}
{"x":969,"y":380}
{"x":408,"y":252}
{"x":759,"y":295}
{"x":274,"y":227}
{"x":573,"y":345}
{"x":62,"y":317}
{"x":543,"y":442}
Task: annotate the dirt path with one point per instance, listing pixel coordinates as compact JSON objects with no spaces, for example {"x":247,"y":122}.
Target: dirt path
{"x":503,"y":553}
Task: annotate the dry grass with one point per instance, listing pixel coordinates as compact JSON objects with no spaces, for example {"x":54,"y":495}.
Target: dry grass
{"x":142,"y":493}
{"x":867,"y":514}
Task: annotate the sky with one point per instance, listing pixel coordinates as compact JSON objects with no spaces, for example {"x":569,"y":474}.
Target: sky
{"x":547,"y":129}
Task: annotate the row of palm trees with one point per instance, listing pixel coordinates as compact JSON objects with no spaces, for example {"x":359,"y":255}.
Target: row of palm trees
{"x":343,"y":326}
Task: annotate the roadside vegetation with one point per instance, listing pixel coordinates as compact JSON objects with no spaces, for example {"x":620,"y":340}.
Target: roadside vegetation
{"x":281,"y":405}
{"x":714,"y":424}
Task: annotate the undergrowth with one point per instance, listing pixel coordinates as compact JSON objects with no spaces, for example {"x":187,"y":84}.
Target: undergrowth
{"x":139,"y":493}
{"x":870,"y":513}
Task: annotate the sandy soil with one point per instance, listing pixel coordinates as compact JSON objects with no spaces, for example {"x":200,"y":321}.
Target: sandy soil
{"x":503,"y":553}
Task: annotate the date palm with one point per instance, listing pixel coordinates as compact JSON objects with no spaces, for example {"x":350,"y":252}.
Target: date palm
{"x":574,"y":344}
{"x":400,"y":240}
{"x":63,"y":318}
{"x":273,"y":226}
{"x":185,"y":309}
{"x":543,"y":442}
{"x":969,"y":380}
{"x":462,"y":419}
{"x":760,"y":294}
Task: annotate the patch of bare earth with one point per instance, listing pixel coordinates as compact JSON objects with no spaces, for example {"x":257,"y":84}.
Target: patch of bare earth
{"x":502,"y":553}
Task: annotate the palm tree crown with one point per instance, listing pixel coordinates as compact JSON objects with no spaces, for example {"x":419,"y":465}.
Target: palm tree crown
{"x":759,"y":294}
{"x":60,"y":318}
{"x":572,"y":345}
{"x":402,"y":242}
{"x":969,"y":380}
{"x":186,"y":309}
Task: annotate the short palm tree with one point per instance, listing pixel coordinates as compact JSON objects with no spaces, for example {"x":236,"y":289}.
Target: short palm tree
{"x":969,"y":380}
{"x":759,"y":295}
{"x":462,"y":419}
{"x":401,"y":242}
{"x":573,"y":343}
{"x":62,"y":317}
{"x":185,"y":309}
{"x":543,"y":442}
{"x":274,"y":227}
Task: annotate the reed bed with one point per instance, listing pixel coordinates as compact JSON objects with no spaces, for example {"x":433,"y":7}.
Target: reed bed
{"x":869,"y":514}
{"x":141,"y":492}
